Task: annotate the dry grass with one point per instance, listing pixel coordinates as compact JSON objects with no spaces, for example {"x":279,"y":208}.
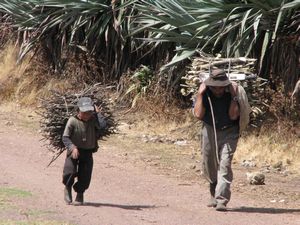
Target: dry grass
{"x":270,"y":148}
{"x":7,"y":61}
{"x":26,"y":82}
{"x":13,"y":114}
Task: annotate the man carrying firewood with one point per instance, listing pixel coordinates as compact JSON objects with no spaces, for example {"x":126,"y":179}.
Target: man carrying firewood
{"x":80,"y":138}
{"x":217,"y":105}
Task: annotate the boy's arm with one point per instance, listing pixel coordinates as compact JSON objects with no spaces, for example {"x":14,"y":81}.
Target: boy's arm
{"x":71,"y":148}
{"x":101,"y":122}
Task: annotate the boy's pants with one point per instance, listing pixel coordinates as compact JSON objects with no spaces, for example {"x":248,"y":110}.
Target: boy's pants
{"x":81,"y":168}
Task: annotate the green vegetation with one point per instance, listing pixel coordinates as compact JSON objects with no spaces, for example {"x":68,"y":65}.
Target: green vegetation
{"x":8,"y":194}
{"x":141,"y":81}
{"x":109,"y":37}
{"x":235,"y":28}
{"x":36,"y":222}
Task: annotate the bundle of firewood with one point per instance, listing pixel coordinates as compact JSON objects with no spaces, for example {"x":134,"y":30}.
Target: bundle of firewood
{"x":237,"y":68}
{"x":57,"y":109}
{"x":241,"y":70}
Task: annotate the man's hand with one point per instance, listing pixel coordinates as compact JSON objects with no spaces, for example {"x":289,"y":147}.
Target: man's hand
{"x":75,"y":153}
{"x":233,"y":88}
{"x":199,"y":110}
{"x":202,"y":88}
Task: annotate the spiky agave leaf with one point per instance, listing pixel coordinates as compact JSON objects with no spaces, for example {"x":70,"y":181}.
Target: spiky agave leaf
{"x":234,"y":28}
{"x":94,"y":25}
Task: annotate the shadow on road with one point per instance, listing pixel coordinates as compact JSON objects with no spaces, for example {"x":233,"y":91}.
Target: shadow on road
{"x":127,"y":207}
{"x":264,"y":210}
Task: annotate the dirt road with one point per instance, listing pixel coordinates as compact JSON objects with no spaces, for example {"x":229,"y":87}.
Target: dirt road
{"x":121,"y":192}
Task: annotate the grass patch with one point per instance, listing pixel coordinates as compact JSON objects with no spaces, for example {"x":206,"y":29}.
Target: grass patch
{"x":33,"y":222}
{"x":270,"y":148}
{"x":6,"y":194}
{"x":35,"y":215}
{"x":13,"y":192}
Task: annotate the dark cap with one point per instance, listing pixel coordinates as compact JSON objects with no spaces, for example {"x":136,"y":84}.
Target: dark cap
{"x":217,"y":78}
{"x":85,"y":104}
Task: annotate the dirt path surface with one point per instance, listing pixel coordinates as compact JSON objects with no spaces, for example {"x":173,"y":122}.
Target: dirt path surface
{"x":123,"y":192}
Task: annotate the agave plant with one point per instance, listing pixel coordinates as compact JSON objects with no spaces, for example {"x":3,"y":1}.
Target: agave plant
{"x":233,"y":28}
{"x":95,"y":27}
{"x":141,"y":80}
{"x":100,"y":28}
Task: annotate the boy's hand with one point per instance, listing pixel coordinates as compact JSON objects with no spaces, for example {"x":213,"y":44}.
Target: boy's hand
{"x":75,"y":153}
{"x":97,"y":109}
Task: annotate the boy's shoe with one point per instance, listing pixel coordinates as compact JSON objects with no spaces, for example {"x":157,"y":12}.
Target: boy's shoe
{"x":68,"y":194}
{"x":221,"y":207}
{"x":212,"y":188}
{"x":78,"y":199}
{"x":212,"y":202}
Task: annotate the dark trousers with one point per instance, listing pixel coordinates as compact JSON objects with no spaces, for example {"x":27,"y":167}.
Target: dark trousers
{"x":81,"y":168}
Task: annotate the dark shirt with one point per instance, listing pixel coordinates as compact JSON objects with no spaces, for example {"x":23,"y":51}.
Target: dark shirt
{"x":83,"y":134}
{"x":220,"y":108}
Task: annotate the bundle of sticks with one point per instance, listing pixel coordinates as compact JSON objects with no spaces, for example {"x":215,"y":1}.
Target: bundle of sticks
{"x":56,"y":110}
{"x":236,"y":68}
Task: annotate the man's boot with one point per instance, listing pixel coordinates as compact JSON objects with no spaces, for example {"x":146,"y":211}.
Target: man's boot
{"x":212,"y":189}
{"x":79,"y":199}
{"x":221,"y":207}
{"x":68,"y":194}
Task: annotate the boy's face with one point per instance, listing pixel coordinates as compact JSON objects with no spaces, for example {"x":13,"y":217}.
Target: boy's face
{"x":217,"y":91}
{"x":85,"y":116}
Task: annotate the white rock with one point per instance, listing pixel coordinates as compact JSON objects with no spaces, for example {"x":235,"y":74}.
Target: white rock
{"x":256,"y":178}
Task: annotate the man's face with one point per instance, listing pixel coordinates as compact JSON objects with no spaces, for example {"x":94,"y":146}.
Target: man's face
{"x":217,"y":91}
{"x":85,"y":116}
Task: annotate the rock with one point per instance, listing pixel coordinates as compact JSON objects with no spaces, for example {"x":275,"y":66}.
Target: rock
{"x":278,"y":165}
{"x":124,"y":127}
{"x":192,"y":167}
{"x":285,"y":173}
{"x":9,"y":123}
{"x":256,"y":178}
{"x":248,"y":163}
{"x":180,"y":142}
